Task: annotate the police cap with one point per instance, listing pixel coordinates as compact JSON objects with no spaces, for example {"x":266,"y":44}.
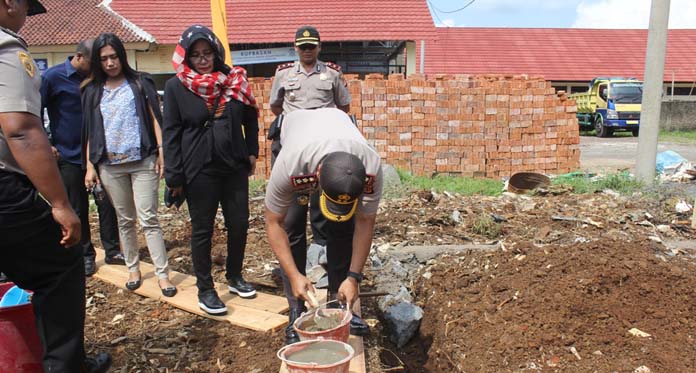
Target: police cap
{"x":306,"y":35}
{"x":342,"y":178}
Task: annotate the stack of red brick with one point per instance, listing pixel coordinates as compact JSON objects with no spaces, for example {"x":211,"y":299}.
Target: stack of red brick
{"x":484,"y":126}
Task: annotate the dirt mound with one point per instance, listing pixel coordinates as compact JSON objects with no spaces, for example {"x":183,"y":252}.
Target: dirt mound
{"x":557,"y":308}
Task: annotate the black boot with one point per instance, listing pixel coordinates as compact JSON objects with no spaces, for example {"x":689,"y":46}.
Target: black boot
{"x":358,"y":326}
{"x":290,"y":333}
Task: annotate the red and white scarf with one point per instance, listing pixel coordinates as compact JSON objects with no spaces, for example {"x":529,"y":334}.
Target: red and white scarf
{"x":232,"y":86}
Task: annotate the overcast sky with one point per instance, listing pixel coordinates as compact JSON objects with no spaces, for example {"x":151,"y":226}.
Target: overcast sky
{"x":558,"y":13}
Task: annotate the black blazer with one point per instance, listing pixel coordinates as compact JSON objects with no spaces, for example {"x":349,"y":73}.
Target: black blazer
{"x":93,"y":123}
{"x":188,"y":145}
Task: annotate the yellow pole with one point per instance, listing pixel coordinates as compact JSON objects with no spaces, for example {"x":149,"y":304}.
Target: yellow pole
{"x":219,"y":16}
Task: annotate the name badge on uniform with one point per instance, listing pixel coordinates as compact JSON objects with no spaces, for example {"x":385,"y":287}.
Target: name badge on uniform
{"x":323,"y":76}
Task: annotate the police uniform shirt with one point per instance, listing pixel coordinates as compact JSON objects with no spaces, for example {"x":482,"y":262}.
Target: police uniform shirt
{"x":297,"y":89}
{"x":308,"y":136}
{"x":19,"y":87}
{"x":19,"y":92}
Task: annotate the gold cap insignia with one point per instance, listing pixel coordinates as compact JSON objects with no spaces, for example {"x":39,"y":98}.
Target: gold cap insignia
{"x":305,"y":33}
{"x":344,"y":198}
{"x":27,"y":62}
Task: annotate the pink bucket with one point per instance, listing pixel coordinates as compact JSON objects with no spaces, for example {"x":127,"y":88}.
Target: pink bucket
{"x":20,"y":348}
{"x":339,"y":333}
{"x":342,"y":365}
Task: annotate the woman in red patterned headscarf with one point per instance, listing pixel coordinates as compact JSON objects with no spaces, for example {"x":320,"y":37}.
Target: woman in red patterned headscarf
{"x":210,"y":135}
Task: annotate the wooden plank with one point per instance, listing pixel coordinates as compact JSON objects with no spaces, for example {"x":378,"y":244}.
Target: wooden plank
{"x":260,"y":313}
{"x":357,"y":364}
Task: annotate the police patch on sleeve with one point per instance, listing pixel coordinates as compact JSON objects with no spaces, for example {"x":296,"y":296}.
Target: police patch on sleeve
{"x":27,"y":62}
{"x":369,"y":184}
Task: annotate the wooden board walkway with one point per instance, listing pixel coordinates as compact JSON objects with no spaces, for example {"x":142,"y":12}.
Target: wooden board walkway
{"x":357,"y":364}
{"x":262,"y":313}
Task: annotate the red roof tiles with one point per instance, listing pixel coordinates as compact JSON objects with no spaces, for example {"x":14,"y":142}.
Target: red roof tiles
{"x":71,"y":21}
{"x":556,"y":54}
{"x":275,"y":21}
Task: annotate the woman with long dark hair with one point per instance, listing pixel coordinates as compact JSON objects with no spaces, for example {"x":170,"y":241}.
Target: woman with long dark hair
{"x":211,"y":141}
{"x":122,"y":140}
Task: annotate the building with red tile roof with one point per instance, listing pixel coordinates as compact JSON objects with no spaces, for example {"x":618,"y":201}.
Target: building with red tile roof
{"x":561,"y":55}
{"x":68,"y":22}
{"x":363,"y":36}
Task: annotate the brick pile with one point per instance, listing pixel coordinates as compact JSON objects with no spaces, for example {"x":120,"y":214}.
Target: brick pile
{"x":481,"y":126}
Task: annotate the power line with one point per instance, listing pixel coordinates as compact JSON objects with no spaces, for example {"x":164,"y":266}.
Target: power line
{"x":451,"y":11}
{"x":435,"y":13}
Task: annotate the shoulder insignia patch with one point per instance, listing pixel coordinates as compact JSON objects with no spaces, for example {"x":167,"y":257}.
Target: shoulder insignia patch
{"x":27,"y":62}
{"x":284,"y":66}
{"x":369,"y":184}
{"x":304,"y":182}
{"x":333,"y":66}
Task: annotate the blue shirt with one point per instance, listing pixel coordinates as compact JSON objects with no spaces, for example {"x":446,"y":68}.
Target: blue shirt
{"x":60,"y":94}
{"x":121,"y":124}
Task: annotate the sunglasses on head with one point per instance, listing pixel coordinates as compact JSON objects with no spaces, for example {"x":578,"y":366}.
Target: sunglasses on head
{"x":305,"y":47}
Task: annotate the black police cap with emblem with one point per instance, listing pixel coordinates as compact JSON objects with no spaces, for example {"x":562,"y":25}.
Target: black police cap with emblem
{"x":342,"y":178}
{"x":35,"y":8}
{"x":307,"y":35}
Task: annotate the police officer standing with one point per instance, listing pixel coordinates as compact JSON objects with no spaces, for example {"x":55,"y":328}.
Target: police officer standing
{"x":324,"y":154}
{"x":37,"y":250}
{"x":308,"y":83}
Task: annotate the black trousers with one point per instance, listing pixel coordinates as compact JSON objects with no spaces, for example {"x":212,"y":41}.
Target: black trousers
{"x":316,"y":219}
{"x":32,"y":258}
{"x":74,"y":180}
{"x":339,"y":241}
{"x":208,"y":190}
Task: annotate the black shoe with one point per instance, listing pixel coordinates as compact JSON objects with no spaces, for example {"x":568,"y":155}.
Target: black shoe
{"x":90,"y":266}
{"x":209,"y":302}
{"x":117,"y":259}
{"x":169,"y":292}
{"x":358,"y":326}
{"x":98,"y":364}
{"x":238,"y":286}
{"x":134,"y":285}
{"x":290,"y":333}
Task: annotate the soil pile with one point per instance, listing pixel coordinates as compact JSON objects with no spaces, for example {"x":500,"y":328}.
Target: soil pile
{"x":561,"y":308}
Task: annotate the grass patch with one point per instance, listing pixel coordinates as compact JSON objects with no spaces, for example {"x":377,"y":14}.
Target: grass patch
{"x":463,"y":185}
{"x":484,"y":225}
{"x":582,"y":183}
{"x":256,"y":187}
{"x":682,"y":137}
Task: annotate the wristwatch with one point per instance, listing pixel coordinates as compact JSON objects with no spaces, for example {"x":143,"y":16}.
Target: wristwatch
{"x":357,"y":276}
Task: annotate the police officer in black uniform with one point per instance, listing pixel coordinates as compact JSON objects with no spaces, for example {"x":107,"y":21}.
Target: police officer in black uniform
{"x":38,"y":248}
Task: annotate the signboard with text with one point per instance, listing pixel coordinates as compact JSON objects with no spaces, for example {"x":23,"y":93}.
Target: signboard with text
{"x":267,"y":55}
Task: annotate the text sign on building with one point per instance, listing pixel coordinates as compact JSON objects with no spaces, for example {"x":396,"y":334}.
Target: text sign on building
{"x":256,"y":56}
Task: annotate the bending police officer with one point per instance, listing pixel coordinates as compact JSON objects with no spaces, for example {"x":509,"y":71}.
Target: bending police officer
{"x":325,"y":154}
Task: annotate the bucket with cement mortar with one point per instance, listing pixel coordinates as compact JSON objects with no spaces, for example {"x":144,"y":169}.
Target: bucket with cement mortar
{"x":304,"y":325}
{"x":20,"y":348}
{"x":317,"y":356}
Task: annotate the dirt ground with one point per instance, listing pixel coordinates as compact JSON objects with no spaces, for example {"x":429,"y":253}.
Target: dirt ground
{"x":554,"y":286}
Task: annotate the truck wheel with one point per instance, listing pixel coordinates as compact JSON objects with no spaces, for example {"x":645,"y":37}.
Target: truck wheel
{"x":635,"y":132}
{"x":600,"y":129}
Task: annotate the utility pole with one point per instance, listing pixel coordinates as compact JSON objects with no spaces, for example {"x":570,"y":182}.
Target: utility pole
{"x":652,"y":91}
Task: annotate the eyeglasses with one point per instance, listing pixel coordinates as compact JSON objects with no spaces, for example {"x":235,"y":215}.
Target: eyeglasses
{"x":199,"y":57}
{"x":306,"y":47}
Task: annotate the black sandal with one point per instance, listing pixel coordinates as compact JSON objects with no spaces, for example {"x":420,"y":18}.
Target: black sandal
{"x":133,"y":285}
{"x":169,"y":292}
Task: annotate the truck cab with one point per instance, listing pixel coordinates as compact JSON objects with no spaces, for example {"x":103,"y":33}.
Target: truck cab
{"x":610,"y":105}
